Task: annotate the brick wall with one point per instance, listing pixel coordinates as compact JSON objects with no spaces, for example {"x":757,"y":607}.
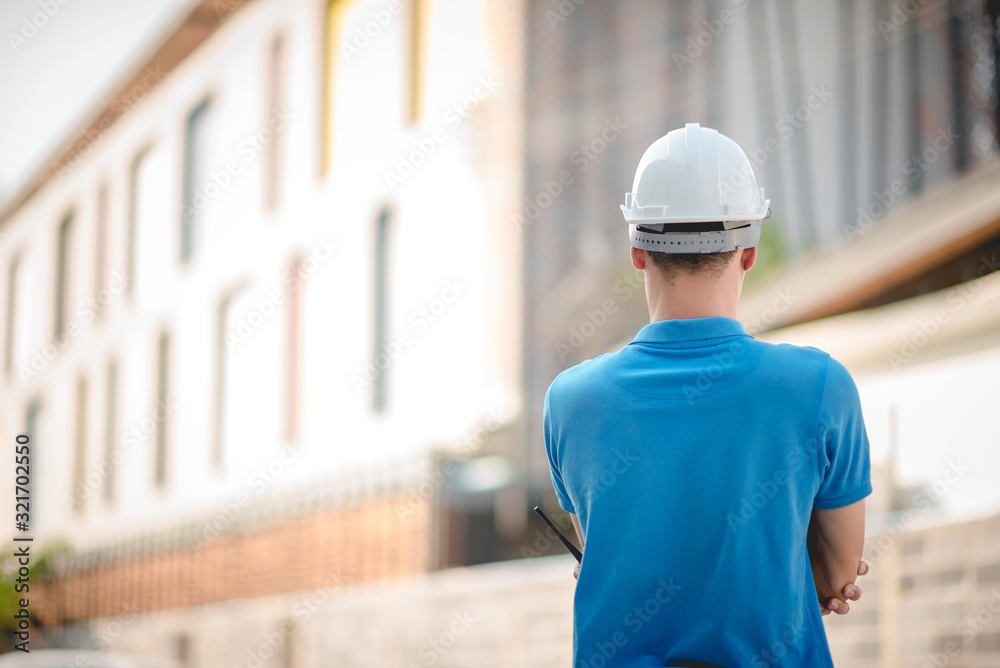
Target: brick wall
{"x":359,"y":543}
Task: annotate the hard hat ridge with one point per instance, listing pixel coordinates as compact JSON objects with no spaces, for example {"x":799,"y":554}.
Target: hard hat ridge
{"x":694,"y":175}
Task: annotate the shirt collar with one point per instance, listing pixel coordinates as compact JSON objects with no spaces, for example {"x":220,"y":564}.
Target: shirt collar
{"x":689,"y":332}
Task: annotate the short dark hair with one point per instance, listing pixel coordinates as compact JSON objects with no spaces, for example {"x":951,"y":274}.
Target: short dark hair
{"x":672,"y":263}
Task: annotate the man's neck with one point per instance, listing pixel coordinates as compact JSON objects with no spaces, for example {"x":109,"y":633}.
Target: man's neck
{"x":690,"y":296}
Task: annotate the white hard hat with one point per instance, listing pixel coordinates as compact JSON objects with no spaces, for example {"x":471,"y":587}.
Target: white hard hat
{"x":694,"y":192}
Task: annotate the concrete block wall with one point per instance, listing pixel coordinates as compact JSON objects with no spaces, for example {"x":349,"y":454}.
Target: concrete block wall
{"x":932,"y":599}
{"x":512,"y":614}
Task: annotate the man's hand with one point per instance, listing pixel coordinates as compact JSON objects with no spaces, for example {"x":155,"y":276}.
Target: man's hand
{"x":576,"y":570}
{"x":852,"y":592}
{"x":836,"y":541}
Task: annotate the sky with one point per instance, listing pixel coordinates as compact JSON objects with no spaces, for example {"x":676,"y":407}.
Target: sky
{"x":52,"y":75}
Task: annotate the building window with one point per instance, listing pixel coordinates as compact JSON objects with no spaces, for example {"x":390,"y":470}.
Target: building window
{"x":13,"y":272}
{"x":110,"y":429}
{"x":417,"y":59}
{"x":80,"y":447}
{"x":101,"y":246}
{"x":184,"y":650}
{"x":274,"y":113}
{"x":63,"y":271}
{"x":220,"y":393}
{"x":161,"y":409}
{"x":293,"y":355}
{"x":31,"y":419}
{"x":31,"y":428}
{"x":131,"y":242}
{"x":194,"y":146}
{"x":380,"y":326}
{"x":333,"y":22}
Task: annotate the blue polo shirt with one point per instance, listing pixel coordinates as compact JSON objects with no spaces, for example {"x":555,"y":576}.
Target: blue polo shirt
{"x":693,"y":458}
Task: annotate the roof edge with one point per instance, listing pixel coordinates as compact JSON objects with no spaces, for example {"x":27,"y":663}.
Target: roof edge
{"x":190,"y":27}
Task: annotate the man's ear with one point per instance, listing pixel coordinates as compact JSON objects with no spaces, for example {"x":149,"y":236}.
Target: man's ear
{"x":638,"y":258}
{"x":749,"y":258}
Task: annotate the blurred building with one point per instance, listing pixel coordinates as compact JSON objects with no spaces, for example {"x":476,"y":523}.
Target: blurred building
{"x":846,"y":110}
{"x":873,"y":128}
{"x":312,"y":283}
{"x":263,"y":290}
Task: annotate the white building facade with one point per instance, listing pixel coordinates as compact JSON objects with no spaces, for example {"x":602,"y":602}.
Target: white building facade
{"x":278,"y":262}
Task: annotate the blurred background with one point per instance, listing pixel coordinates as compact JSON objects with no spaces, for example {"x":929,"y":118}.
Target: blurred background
{"x":283,"y":285}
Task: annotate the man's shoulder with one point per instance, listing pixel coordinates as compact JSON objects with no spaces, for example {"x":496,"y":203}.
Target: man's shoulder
{"x":813,"y":363}
{"x":580,"y":376}
{"x":791,"y":354}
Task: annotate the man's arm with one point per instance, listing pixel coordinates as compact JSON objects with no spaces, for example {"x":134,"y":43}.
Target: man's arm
{"x":579,"y":536}
{"x":836,"y":542}
{"x":576,"y":525}
{"x":820,"y":559}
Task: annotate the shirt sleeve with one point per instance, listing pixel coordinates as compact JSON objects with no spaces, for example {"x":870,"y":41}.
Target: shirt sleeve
{"x":552,"y":451}
{"x":842,"y":443}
